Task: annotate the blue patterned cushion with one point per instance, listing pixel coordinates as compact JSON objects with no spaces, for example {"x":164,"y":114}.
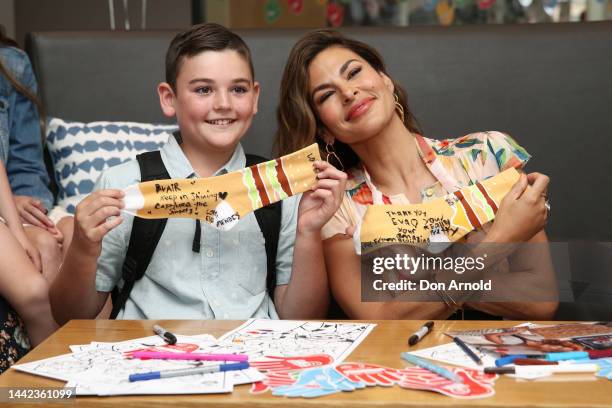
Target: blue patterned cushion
{"x":81,"y":151}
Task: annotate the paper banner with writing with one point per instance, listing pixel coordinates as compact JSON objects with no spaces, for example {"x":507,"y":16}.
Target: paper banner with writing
{"x":445,"y":219}
{"x":224,"y":200}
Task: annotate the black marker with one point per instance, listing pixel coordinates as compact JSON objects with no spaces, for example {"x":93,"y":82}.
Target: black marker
{"x":166,"y":335}
{"x":422,"y":332}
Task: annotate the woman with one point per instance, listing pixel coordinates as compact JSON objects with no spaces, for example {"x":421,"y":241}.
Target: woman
{"x":24,"y":199}
{"x":21,"y":151}
{"x":336,"y":91}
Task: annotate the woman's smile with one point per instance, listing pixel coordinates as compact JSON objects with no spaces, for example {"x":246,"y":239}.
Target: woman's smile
{"x":360,"y":108}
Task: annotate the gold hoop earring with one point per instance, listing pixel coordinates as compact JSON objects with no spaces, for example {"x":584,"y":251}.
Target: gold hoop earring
{"x":329,"y":149}
{"x":398,"y":107}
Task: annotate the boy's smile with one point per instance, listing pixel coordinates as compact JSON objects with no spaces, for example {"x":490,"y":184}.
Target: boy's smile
{"x":221,"y":123}
{"x":214,"y":101}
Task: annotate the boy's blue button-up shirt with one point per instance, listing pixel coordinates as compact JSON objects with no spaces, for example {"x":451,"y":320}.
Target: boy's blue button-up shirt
{"x":225,"y":280}
{"x":20,"y":143}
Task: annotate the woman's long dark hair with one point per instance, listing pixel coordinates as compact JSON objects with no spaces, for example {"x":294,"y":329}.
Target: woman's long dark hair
{"x":8,"y":42}
{"x":298,"y":125}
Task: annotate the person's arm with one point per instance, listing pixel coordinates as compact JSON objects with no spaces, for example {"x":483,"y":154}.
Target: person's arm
{"x":344,"y":268}
{"x":521,"y":219}
{"x":531,"y":280}
{"x":73,"y":293}
{"x":9,"y":212}
{"x":307,"y":293}
{"x":25,"y":166}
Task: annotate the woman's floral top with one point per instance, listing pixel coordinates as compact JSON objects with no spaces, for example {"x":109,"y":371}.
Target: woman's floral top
{"x":455,"y":163}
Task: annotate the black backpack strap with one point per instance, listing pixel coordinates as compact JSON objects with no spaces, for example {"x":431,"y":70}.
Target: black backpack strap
{"x":144,"y":237}
{"x":269,"y":220}
{"x":146,"y":234}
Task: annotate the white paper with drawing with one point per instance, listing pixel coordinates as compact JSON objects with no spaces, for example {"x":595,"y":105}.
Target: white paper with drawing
{"x":260,"y":338}
{"x":103,"y":369}
{"x":450,"y":353}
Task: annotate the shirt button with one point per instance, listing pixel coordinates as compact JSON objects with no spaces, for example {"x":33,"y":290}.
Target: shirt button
{"x":209,"y":253}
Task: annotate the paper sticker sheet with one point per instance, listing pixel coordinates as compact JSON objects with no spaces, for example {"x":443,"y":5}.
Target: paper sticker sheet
{"x":320,"y":381}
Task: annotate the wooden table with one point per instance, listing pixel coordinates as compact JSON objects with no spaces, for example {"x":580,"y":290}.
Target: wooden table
{"x":382,"y":346}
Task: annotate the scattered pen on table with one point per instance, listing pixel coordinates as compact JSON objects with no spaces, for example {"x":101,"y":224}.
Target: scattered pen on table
{"x":467,"y":350}
{"x":161,"y":355}
{"x":164,"y":334}
{"x":558,"y":356}
{"x":434,"y":368}
{"x":543,"y":369}
{"x":154,"y":375}
{"x":533,"y":361}
{"x":419,"y":334}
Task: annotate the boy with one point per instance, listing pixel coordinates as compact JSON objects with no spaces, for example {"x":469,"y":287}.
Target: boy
{"x":210,"y":88}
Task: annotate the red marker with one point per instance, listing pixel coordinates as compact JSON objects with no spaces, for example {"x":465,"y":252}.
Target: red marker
{"x":533,"y":361}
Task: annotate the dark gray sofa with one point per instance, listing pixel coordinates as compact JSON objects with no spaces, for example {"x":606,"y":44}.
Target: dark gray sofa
{"x":548,"y":85}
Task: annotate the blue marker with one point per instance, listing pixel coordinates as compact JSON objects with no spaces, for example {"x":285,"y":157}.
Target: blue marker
{"x":441,"y":371}
{"x":567,"y":355}
{"x":509,"y":359}
{"x":154,"y":375}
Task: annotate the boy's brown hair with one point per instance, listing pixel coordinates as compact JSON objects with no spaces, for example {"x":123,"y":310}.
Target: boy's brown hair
{"x":201,"y":38}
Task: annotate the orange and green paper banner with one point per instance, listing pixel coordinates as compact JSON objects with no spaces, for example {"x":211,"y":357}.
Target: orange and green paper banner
{"x":224,"y":200}
{"x":445,"y":219}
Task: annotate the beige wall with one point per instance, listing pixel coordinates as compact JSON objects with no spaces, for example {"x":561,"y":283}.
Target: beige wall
{"x":45,"y":15}
{"x":7,"y":16}
{"x":251,"y":14}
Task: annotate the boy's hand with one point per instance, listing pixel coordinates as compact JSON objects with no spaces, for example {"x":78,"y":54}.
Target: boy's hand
{"x":318,"y":206}
{"x":92,"y":221}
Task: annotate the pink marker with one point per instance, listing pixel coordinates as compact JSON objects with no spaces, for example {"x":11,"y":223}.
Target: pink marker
{"x":160,"y":355}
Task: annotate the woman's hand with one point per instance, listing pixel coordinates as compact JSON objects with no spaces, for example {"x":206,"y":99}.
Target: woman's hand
{"x":319,"y":205}
{"x":32,"y":211}
{"x":522,"y":212}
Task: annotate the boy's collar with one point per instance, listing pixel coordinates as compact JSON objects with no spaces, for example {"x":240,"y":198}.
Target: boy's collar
{"x":179,"y":166}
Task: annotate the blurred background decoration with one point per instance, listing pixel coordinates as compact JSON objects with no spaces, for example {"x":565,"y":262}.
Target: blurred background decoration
{"x":340,"y":13}
{"x":21,"y":16}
